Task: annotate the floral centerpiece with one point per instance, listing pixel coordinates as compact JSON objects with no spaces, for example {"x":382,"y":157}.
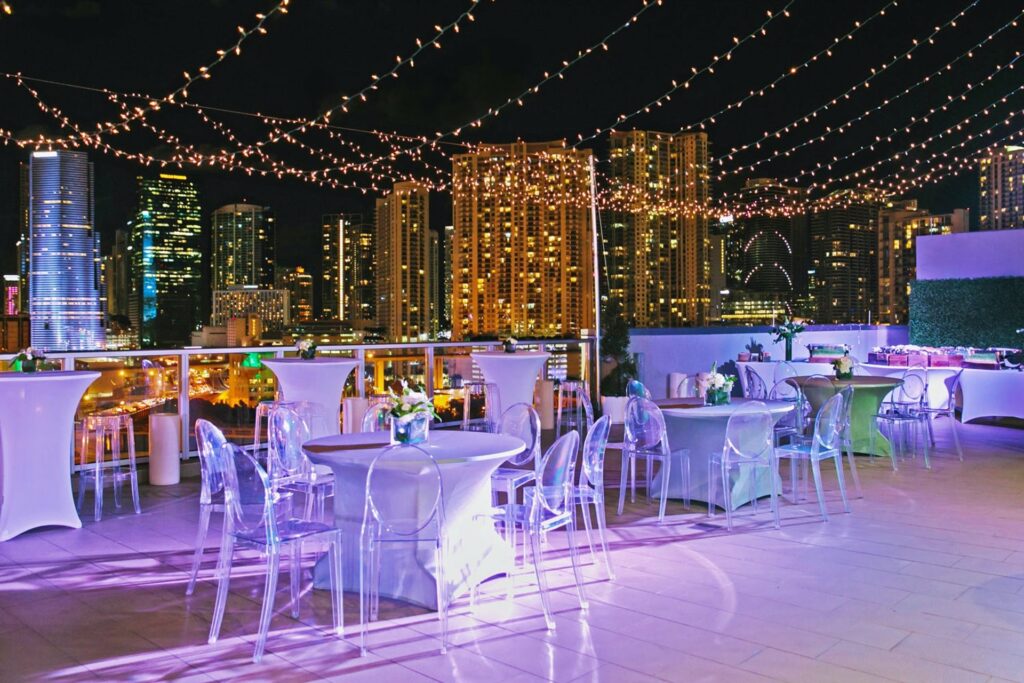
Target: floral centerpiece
{"x":510,"y":345}
{"x":755,"y":350}
{"x":307,"y":349}
{"x":843,"y":367}
{"x":30,"y":360}
{"x":717,"y":387}
{"x":411,"y":413}
{"x":787,"y":331}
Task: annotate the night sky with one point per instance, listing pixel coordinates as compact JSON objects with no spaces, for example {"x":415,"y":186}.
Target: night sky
{"x":324,"y":48}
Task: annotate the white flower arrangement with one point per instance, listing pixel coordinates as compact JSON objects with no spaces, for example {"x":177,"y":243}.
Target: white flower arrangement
{"x":411,"y":404}
{"x":843,"y":365}
{"x":717,"y":387}
{"x":510,"y":345}
{"x":307,"y":349}
{"x":32,"y":359}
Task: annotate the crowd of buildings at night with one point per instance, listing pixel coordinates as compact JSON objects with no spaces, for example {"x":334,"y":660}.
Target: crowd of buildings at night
{"x":516,"y":258}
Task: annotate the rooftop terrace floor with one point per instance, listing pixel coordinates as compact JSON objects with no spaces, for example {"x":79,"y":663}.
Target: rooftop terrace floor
{"x":924,"y":581}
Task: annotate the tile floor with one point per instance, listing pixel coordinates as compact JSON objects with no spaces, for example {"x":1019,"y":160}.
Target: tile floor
{"x":923,"y":582}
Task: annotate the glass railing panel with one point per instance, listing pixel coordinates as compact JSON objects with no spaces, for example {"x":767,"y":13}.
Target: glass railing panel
{"x":225,"y":389}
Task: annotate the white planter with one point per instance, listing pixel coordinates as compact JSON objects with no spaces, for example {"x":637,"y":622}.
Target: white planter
{"x":614,"y":407}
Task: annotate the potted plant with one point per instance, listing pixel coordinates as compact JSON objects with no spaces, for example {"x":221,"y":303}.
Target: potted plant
{"x":616,"y":357}
{"x":755,"y":350}
{"x":787,"y":331}
{"x":307,"y":349}
{"x":411,"y":413}
{"x":843,"y":367}
{"x":509,"y":345}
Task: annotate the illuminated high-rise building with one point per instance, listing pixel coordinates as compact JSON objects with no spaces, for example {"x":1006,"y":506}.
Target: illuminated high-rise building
{"x":1001,"y":189}
{"x":11,"y":295}
{"x":243,"y":243}
{"x":656,"y":237}
{"x":24,"y":230}
{"x":117,"y":266}
{"x":64,"y":271}
{"x":843,"y":244}
{"x":299,"y":285}
{"x":899,"y":226}
{"x":522,"y":256}
{"x":435,"y":273}
{"x":348,"y":289}
{"x":446,"y":274}
{"x":403,"y":263}
{"x":166,"y":258}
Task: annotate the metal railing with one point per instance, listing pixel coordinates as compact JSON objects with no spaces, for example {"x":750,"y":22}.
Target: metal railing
{"x":225,"y":384}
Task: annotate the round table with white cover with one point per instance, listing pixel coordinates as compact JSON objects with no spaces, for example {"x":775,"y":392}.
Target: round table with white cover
{"x":37,"y":419}
{"x":514,"y":373}
{"x":701,"y":429}
{"x":317,"y":380}
{"x":475,"y":550}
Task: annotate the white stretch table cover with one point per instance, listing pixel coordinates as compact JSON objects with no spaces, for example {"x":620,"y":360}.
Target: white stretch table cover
{"x":514,"y":373}
{"x":767,"y":371}
{"x":702,"y":431}
{"x":939,"y":379}
{"x":318,"y":380}
{"x":475,"y":550}
{"x":37,"y":419}
{"x":991,"y":393}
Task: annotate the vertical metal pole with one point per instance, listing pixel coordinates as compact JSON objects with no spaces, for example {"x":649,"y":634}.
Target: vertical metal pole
{"x":361,"y":372}
{"x":597,"y":282}
{"x":183,"y":405}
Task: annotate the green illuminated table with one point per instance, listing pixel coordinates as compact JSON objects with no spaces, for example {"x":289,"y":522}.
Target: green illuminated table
{"x":868,"y":393}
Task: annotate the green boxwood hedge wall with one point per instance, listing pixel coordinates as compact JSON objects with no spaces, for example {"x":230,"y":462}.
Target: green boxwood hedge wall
{"x":979,"y":312}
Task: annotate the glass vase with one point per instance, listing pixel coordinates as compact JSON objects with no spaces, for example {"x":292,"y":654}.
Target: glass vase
{"x":844,"y":375}
{"x":411,"y":431}
{"x":789,"y":348}
{"x":716,"y":397}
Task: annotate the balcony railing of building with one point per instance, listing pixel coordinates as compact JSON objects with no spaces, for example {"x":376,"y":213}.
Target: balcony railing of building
{"x":225,"y":385}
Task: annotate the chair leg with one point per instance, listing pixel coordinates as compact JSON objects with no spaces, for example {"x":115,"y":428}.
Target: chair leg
{"x":686,"y":479}
{"x":918,"y":428}
{"x":931,"y":432}
{"x":726,"y":495}
{"x":269,"y":590}
{"x":132,"y":467}
{"x":842,"y":480}
{"x":337,"y":587}
{"x":443,"y":595}
{"x":364,"y":617}
{"x":649,"y":476}
{"x":666,"y":464}
{"x":295,"y":575}
{"x":115,"y":471}
{"x":956,"y":437}
{"x":602,"y":527}
{"x":197,"y":559}
{"x":776,"y":490}
{"x":632,"y":476}
{"x":622,"y":479}
{"x":227,"y":550}
{"x":816,"y":469}
{"x":851,"y":459}
{"x":711,"y":486}
{"x":510,"y":525}
{"x":574,"y":556}
{"x":585,"y":513}
{"x":542,"y":580}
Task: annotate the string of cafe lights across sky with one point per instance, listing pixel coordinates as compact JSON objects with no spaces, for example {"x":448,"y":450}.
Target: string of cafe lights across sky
{"x":848,"y":124}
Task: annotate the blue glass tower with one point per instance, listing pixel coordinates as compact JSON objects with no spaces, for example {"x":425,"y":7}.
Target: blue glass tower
{"x":65,"y":288}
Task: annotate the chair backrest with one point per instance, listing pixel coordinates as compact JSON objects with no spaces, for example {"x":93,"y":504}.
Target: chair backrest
{"x":749,"y":433}
{"x":404,"y":493}
{"x":287,"y":430}
{"x":316,"y":417}
{"x":555,"y":477}
{"x":952,"y":386}
{"x":784,"y":390}
{"x":593,"y":452}
{"x":377,"y":417}
{"x":756,"y":388}
{"x":484,"y":394}
{"x":636,"y":388}
{"x":645,"y":424}
{"x":828,"y":424}
{"x":847,"y":416}
{"x":783,"y":369}
{"x":912,"y":390}
{"x":248,"y":497}
{"x":212,"y":459}
{"x":688,"y":388}
{"x":522,"y":421}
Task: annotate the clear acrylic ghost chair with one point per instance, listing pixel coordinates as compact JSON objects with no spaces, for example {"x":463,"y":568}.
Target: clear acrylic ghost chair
{"x":404,"y":504}
{"x":257,"y":516}
{"x":549,"y":506}
{"x":287,"y":465}
{"x":636,"y":388}
{"x":377,"y":417}
{"x":101,"y":430}
{"x":487,"y":395}
{"x":688,"y":387}
{"x":907,"y":424}
{"x":790,"y":425}
{"x":749,"y":446}
{"x":783,"y":370}
{"x":909,"y":400}
{"x":947,"y":409}
{"x":821,"y":388}
{"x":755,"y":388}
{"x":647,"y":439}
{"x":521,"y":421}
{"x":827,"y":442}
{"x":211,"y":443}
{"x":573,"y":407}
{"x":590,"y":490}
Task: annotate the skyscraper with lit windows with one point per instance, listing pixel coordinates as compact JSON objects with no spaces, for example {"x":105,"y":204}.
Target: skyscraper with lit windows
{"x":167,"y":261}
{"x":243,"y":243}
{"x":64,"y":271}
{"x":348,"y":289}
{"x":656,"y":235}
{"x":403,"y":263}
{"x":522,"y":257}
{"x":1001,"y":189}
